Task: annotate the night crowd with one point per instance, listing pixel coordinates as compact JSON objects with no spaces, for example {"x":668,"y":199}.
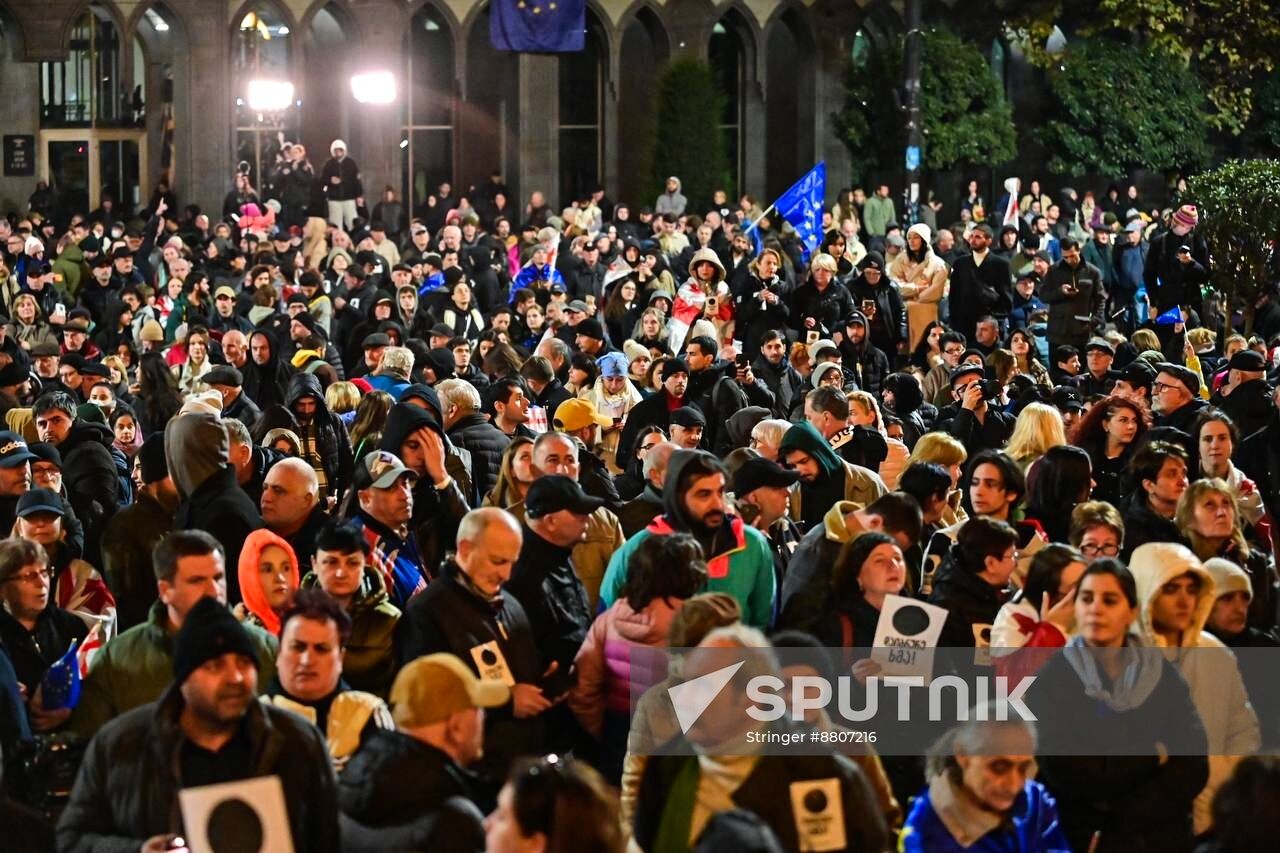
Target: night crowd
{"x":389,"y":504}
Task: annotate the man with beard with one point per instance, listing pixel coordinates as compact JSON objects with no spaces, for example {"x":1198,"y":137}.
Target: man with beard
{"x":1175,"y":397}
{"x":775,"y":370}
{"x":207,"y":728}
{"x":860,"y":356}
{"x":825,"y":478}
{"x":325,"y":443}
{"x":656,"y":409}
{"x":739,"y":562}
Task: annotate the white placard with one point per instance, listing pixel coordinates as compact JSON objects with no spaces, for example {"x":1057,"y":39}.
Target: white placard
{"x":818,"y":808}
{"x":230,"y":817}
{"x":906,"y":636}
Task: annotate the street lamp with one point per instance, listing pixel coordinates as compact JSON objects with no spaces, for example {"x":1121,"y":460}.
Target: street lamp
{"x":269,"y":96}
{"x":374,"y":87}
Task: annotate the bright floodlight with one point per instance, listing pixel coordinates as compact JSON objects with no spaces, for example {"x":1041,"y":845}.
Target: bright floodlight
{"x":374,"y":87}
{"x":267,"y":96}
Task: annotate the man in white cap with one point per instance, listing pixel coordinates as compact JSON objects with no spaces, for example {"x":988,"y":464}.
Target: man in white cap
{"x":342,"y":188}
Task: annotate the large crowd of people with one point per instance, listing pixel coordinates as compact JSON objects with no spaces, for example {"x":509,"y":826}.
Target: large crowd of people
{"x":391,"y":504}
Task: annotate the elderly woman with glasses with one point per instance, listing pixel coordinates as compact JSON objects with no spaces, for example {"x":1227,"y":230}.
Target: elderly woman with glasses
{"x":34,"y":634}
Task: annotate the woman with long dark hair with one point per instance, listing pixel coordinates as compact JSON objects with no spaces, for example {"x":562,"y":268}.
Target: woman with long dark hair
{"x":159,"y":400}
{"x":1109,"y":433}
{"x":1059,"y":480}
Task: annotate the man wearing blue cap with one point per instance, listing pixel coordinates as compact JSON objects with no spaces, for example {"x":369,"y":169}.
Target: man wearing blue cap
{"x":15,"y":474}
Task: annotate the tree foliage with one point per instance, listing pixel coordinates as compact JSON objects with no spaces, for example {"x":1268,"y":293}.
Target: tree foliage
{"x":963,"y":111}
{"x":1229,"y":44}
{"x":1239,"y":206}
{"x":1121,"y":108}
{"x":687,"y":139}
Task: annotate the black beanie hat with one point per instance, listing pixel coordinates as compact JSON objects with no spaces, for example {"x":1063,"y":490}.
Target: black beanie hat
{"x":151,"y":459}
{"x":209,"y":631}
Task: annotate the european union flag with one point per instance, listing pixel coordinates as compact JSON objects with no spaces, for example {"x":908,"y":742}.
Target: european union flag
{"x":537,"y":26}
{"x":60,"y":687}
{"x":802,"y":207}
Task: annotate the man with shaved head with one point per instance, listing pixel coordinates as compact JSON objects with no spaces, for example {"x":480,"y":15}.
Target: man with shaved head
{"x":465,"y":613}
{"x":291,"y":506}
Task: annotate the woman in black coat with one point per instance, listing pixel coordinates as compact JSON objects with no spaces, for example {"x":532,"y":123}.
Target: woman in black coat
{"x":1121,"y":746}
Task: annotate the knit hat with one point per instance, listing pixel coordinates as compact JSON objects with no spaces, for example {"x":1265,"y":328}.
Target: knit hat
{"x":1187,"y":216}
{"x":612,"y":364}
{"x":336,"y":144}
{"x":151,"y":331}
{"x":590,"y":328}
{"x":1228,"y":577}
{"x":822,"y":370}
{"x":209,"y":631}
{"x":151,"y":459}
{"x":633,"y":351}
{"x":672,"y":366}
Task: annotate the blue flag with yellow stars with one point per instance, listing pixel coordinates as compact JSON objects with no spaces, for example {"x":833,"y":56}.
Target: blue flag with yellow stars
{"x":802,"y":207}
{"x":538,"y":26}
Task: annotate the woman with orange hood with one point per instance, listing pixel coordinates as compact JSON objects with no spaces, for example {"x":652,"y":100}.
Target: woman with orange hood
{"x":269,"y":577}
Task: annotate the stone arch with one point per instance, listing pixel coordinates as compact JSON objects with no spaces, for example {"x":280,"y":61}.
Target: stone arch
{"x":790,"y":64}
{"x":644,"y":46}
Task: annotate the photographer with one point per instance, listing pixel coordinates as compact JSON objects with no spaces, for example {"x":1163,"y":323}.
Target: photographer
{"x":975,"y":417}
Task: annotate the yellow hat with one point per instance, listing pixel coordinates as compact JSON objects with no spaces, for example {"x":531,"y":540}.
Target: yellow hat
{"x":435,"y":687}
{"x":576,"y":413}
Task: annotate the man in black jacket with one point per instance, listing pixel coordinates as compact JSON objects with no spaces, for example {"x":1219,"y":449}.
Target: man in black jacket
{"x":861,"y":356}
{"x":325,"y":443}
{"x":228,"y":382}
{"x":774,"y":369}
{"x":1246,"y":396}
{"x":196,"y":448}
{"x":88,"y":468}
{"x":208,"y":728}
{"x":847,"y":817}
{"x":473,"y":432}
{"x":1159,"y":470}
{"x":340,"y":178}
{"x":1177,"y":264}
{"x":544,"y":578}
{"x":439,"y":732}
{"x":980,"y":284}
{"x":466,"y":612}
{"x":656,"y":409}
{"x":887,"y":317}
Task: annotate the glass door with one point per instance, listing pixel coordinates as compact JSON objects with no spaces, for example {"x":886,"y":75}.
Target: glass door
{"x":69,"y":172}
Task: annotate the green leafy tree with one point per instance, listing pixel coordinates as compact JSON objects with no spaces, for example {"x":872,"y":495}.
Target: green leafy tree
{"x":1229,"y":44}
{"x":1123,"y":108}
{"x":1239,"y":206}
{"x":965,"y":116}
{"x":687,"y":139}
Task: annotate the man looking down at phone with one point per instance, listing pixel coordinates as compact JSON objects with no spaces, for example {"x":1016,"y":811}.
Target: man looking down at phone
{"x":881,"y":306}
{"x":467,"y":613}
{"x":720,"y":386}
{"x":545,"y":581}
{"x":860,"y":355}
{"x":1073,"y":291}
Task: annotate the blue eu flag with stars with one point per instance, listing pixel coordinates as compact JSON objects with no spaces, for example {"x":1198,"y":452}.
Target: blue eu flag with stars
{"x":802,"y":207}
{"x":538,"y":26}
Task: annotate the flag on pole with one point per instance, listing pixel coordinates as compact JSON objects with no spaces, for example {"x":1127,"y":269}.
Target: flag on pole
{"x":802,"y":207}
{"x":1170,"y":317}
{"x":538,"y":26}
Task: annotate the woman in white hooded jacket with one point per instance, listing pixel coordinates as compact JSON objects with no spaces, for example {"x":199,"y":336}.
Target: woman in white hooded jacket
{"x":1176,"y":596}
{"x":921,"y":277}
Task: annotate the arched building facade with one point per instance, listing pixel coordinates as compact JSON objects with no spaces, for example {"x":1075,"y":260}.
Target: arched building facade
{"x":117,"y":95}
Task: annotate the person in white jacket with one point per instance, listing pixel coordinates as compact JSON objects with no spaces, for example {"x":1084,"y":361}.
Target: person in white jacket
{"x":1176,"y":596}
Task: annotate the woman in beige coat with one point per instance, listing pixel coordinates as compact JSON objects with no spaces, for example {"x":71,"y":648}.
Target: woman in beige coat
{"x":921,"y":277}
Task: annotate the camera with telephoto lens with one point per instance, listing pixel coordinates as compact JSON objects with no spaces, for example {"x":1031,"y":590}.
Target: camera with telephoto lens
{"x":991,"y":389}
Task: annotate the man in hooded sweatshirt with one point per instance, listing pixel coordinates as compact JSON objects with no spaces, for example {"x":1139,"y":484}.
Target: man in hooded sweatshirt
{"x":671,"y":201}
{"x":1176,"y":596}
{"x":198,"y":454}
{"x":325,"y":443}
{"x":88,"y":468}
{"x":739,"y":561}
{"x":825,"y":478}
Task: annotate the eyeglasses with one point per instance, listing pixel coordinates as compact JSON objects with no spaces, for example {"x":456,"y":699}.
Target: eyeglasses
{"x":1100,"y":550}
{"x":37,"y":578}
{"x":1161,"y":387}
{"x":648,"y":447}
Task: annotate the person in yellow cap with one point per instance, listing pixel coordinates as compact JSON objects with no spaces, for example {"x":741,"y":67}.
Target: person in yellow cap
{"x":406,"y":789}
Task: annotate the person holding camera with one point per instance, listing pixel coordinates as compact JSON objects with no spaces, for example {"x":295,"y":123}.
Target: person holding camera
{"x":762,"y":302}
{"x":976,"y":418}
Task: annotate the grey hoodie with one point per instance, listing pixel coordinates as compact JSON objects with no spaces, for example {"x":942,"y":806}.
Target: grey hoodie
{"x":673,"y":202}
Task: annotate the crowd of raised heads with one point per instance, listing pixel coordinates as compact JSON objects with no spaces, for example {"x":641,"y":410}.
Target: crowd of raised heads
{"x":399,"y":505}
